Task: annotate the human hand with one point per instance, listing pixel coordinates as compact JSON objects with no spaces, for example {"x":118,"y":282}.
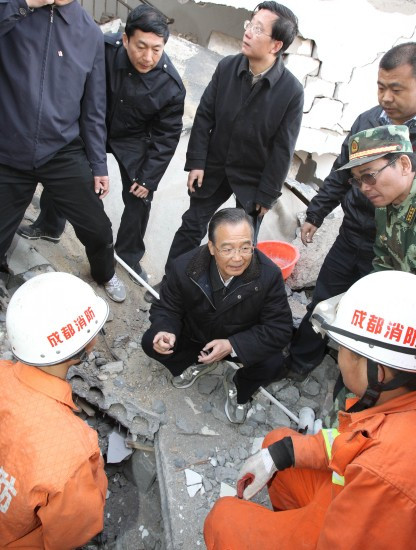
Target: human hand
{"x":139,"y":191}
{"x":38,"y":3}
{"x":307,"y":231}
{"x":261,"y":210}
{"x":255,"y":473}
{"x":163,"y":342}
{"x":215,"y":351}
{"x":195,"y":175}
{"x":101,"y":186}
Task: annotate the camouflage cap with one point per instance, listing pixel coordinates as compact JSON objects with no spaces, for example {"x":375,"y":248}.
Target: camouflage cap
{"x":375,"y":143}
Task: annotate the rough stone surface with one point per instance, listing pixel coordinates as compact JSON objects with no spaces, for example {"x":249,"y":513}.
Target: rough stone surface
{"x":141,"y":470}
{"x":311,"y":257}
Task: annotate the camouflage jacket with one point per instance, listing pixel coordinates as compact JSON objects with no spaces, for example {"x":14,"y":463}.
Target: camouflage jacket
{"x":395,"y":245}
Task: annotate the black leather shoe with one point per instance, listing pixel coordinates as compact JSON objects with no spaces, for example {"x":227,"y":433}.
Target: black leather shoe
{"x":141,"y":273}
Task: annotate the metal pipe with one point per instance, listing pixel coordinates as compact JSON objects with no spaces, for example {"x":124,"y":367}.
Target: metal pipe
{"x":136,"y":276}
{"x":278,"y":404}
{"x":270,"y":397}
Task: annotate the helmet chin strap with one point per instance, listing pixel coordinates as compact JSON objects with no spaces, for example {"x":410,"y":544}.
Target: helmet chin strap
{"x":374,"y":388}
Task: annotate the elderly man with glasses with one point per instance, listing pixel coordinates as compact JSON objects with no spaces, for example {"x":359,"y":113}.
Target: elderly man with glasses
{"x":223,"y":299}
{"x":383,"y":165}
{"x":245,"y":128}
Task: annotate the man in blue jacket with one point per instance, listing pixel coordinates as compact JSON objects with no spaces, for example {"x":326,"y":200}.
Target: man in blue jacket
{"x":145,"y":101}
{"x":52,"y":100}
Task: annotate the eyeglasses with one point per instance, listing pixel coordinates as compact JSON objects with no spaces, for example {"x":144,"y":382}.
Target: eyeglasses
{"x":370,"y":178}
{"x":255,"y":29}
{"x":246,"y":250}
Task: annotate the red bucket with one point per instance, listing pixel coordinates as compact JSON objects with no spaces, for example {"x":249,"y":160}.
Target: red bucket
{"x":284,"y":255}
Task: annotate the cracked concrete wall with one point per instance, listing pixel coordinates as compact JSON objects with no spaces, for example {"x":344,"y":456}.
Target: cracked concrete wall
{"x":336,"y":58}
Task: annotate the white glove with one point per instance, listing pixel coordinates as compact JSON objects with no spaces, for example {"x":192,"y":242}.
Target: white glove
{"x":256,"y":472}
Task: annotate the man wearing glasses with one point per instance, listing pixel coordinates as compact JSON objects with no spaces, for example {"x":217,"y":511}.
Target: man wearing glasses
{"x":223,"y":299}
{"x":383,"y":165}
{"x":352,"y":253}
{"x":245,"y":128}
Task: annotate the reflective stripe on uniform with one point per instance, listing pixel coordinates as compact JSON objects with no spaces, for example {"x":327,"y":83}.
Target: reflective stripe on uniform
{"x":329,"y":438}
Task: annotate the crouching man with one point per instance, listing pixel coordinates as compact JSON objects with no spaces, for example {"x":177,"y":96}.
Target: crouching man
{"x":223,"y":299}
{"x":352,"y":488}
{"x":52,"y":480}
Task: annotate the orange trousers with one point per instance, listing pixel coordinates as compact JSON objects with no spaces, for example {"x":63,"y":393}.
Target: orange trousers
{"x":300,"y":499}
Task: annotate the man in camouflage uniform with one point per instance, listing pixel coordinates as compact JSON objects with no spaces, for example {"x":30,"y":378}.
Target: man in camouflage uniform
{"x":351,"y":255}
{"x":383,"y":167}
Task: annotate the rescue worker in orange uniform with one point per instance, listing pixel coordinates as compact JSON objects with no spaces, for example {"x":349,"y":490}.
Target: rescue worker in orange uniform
{"x":52,"y":480}
{"x":353,"y":488}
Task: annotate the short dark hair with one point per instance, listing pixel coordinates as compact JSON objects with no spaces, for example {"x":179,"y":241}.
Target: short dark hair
{"x":395,"y":156}
{"x":285,"y":28}
{"x":232,"y":216}
{"x":147,"y":19}
{"x":403,"y":54}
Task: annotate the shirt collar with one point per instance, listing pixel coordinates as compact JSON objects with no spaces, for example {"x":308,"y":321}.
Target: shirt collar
{"x":272,"y":74}
{"x":217,"y":282}
{"x":49,"y":385}
{"x":386,"y":120}
{"x":404,"y":206}
{"x":68,"y":12}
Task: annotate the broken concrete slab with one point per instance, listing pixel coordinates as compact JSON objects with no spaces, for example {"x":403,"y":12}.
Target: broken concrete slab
{"x":223,"y":44}
{"x":302,"y":66}
{"x":141,"y":470}
{"x":23,"y":256}
{"x":117,"y":450}
{"x":311,"y":257}
{"x":324,"y":113}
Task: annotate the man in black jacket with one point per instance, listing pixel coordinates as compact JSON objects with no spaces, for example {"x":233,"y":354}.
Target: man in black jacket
{"x":350,"y":257}
{"x":145,"y":101}
{"x":245,"y":128}
{"x":224,"y":299}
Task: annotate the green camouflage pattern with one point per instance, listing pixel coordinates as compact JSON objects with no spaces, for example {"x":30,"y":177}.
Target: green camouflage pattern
{"x":395,"y":245}
{"x":372,"y":144}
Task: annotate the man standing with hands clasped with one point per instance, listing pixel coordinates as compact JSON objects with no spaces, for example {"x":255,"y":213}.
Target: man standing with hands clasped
{"x":245,"y":128}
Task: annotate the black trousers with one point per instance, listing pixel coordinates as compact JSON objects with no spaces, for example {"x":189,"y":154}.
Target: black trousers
{"x":68,"y":179}
{"x":130,"y":237}
{"x":195,"y":221}
{"x":342,"y":267}
{"x":247,"y":379}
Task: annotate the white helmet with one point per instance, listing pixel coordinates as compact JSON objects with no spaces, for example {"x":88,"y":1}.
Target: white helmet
{"x":52,"y":317}
{"x":375,"y":318}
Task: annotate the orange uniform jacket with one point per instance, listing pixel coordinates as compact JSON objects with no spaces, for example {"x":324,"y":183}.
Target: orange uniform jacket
{"x":376,"y":453}
{"x":52,"y":481}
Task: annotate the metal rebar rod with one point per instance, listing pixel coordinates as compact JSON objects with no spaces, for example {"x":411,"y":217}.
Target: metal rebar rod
{"x":136,"y":276}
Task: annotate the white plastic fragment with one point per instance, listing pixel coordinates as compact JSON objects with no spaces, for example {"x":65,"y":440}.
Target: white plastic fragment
{"x":117,"y":450}
{"x":227,"y":491}
{"x":192,"y":477}
{"x":207,"y":431}
{"x":193,"y":489}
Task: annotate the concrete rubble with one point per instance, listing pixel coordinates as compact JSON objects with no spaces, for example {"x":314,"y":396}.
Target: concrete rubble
{"x":196,"y":453}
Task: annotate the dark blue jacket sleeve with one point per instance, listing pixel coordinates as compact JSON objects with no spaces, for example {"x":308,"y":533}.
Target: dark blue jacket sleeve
{"x":93,"y":110}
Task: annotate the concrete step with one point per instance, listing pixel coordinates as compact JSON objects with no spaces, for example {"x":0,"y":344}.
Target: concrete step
{"x":197,"y":436}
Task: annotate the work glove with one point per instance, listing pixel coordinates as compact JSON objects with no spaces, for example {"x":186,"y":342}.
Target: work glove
{"x":255,"y":473}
